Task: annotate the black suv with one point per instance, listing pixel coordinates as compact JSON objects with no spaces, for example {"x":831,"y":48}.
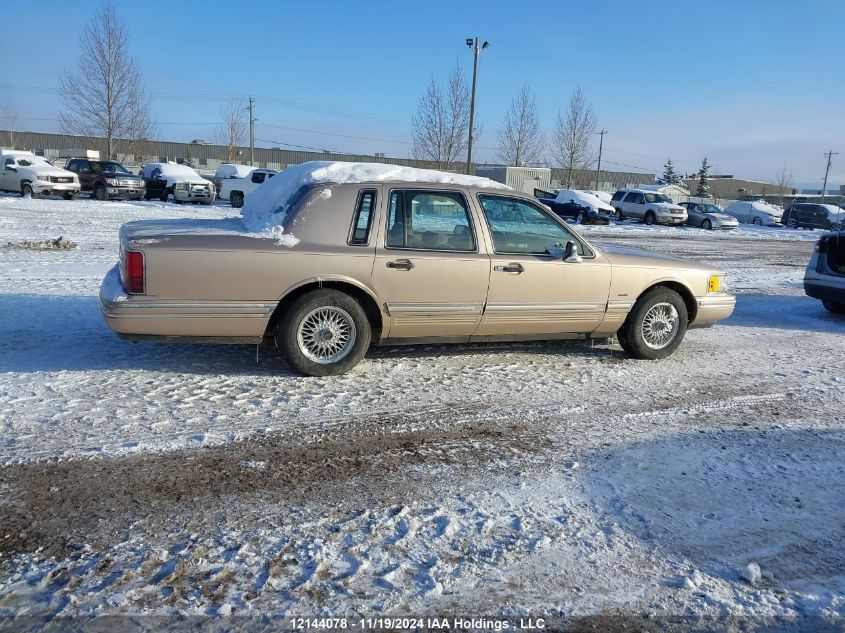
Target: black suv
{"x":106,"y":179}
{"x":812,"y":216}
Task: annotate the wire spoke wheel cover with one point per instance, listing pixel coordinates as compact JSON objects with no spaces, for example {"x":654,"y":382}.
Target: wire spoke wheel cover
{"x":660,"y":325}
{"x":326,"y":334}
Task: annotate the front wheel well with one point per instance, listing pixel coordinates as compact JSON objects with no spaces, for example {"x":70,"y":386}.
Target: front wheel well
{"x":683,"y":291}
{"x":369,"y":304}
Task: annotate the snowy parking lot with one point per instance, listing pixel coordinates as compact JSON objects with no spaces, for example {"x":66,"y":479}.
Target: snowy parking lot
{"x":558,"y":479}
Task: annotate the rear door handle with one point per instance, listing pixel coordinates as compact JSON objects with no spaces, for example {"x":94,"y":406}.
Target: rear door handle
{"x":401,"y":264}
{"x":510,"y":268}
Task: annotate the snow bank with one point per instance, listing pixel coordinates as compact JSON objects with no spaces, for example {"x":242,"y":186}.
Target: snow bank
{"x":266,"y":207}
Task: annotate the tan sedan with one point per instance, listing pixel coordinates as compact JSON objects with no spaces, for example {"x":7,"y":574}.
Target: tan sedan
{"x":397,"y":263}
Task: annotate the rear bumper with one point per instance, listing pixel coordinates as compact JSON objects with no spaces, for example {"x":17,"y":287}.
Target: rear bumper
{"x":825,"y":292}
{"x":714,"y":308}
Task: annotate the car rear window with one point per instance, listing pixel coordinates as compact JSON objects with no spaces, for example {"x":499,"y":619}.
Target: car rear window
{"x":429,"y":220}
{"x":363,"y":219}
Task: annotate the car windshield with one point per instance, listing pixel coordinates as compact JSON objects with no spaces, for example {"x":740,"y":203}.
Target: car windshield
{"x":657,"y":197}
{"x":107,"y":167}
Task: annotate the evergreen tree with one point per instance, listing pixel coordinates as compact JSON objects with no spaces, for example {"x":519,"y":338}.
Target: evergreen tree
{"x":188,"y":160}
{"x":703,"y":190}
{"x":670,"y":176}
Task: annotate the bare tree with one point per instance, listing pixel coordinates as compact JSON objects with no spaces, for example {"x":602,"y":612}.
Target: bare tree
{"x":572,"y":143}
{"x":783,"y":180}
{"x":232,"y":132}
{"x":103,"y":95}
{"x":9,"y":114}
{"x":441,"y":123}
{"x":520,"y":139}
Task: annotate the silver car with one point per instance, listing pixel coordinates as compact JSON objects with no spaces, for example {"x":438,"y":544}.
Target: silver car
{"x":708,"y":216}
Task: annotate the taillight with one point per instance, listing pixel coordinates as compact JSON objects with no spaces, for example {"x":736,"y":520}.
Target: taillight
{"x":133,"y":272}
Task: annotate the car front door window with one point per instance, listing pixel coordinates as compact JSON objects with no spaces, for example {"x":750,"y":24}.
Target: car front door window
{"x":518,"y":227}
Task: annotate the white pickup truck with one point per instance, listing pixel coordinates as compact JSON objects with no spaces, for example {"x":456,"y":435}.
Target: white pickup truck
{"x":32,"y":176}
{"x":234,"y":189}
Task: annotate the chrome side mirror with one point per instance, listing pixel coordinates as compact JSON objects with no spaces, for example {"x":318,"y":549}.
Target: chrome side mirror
{"x":570,"y":253}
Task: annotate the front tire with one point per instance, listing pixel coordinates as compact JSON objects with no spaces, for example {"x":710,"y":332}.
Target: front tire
{"x":581,"y":218}
{"x":27,"y":192}
{"x":324,"y":333}
{"x":655,"y":326}
{"x":834,"y":306}
{"x":69,"y":196}
{"x":236,"y":198}
{"x":650,"y":218}
{"x":100,"y":193}
{"x":707,"y":225}
{"x":758,"y":222}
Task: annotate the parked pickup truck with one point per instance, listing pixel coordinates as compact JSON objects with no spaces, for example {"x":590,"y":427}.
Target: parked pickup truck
{"x":32,"y":176}
{"x":106,"y":179}
{"x":329,"y":257}
{"x":177,"y":183}
{"x":235,"y":189}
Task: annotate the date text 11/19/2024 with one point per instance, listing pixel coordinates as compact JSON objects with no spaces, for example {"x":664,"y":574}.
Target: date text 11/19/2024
{"x":410,"y":624}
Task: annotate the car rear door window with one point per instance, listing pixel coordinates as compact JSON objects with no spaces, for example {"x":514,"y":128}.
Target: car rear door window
{"x":521,"y":228}
{"x":429,"y":220}
{"x":363,"y":219}
{"x":258,"y":177}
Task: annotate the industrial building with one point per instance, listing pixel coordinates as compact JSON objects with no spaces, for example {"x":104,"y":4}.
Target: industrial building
{"x":205,"y":157}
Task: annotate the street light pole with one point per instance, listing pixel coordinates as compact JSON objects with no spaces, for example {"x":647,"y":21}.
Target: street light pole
{"x":598,"y":167}
{"x":476,"y":49}
{"x":829,"y":154}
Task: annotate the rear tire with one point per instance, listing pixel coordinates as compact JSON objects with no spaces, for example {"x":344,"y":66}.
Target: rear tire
{"x":792,"y":223}
{"x":833,"y":306}
{"x":655,"y":326}
{"x":650,"y":218}
{"x":581,"y":218}
{"x":324,"y":333}
{"x":619,"y":216}
{"x":236,"y":198}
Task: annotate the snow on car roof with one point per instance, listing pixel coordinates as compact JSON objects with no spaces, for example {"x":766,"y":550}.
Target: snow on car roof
{"x":263,"y":207}
{"x":174,"y":169}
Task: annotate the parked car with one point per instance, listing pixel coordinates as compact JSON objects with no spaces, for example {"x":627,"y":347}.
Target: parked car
{"x":757,"y":212}
{"x":33,"y":177}
{"x":357,"y":253}
{"x":577,"y":206}
{"x":106,"y":179}
{"x":825,"y":275}
{"x":179,"y":183}
{"x":649,"y":206}
{"x":235,"y":189}
{"x":229,"y":170}
{"x":812,"y":216}
{"x":709,"y":216}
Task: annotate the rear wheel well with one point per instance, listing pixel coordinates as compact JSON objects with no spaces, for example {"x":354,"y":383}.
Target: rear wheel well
{"x":683,"y":291}
{"x":369,"y":304}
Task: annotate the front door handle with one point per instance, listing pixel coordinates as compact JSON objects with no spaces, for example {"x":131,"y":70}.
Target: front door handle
{"x":401,"y":264}
{"x":510,"y":268}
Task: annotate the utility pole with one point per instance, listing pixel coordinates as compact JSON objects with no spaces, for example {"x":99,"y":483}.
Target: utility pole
{"x":829,"y":154}
{"x":252,"y":132}
{"x":473,"y":44}
{"x":598,"y":167}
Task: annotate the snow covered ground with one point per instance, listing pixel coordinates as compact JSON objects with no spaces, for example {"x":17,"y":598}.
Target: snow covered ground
{"x":555,"y":479}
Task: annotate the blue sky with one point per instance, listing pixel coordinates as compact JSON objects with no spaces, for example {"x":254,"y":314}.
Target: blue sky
{"x":752,"y":85}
